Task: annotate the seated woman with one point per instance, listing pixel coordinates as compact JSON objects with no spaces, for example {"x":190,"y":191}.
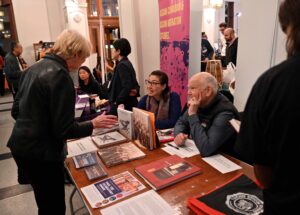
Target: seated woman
{"x":88,"y":84}
{"x":165,"y":104}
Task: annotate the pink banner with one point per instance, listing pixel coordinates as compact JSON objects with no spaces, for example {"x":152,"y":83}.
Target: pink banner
{"x":174,"y":21}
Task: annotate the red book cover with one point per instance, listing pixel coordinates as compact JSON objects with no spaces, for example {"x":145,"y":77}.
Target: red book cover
{"x":167,"y":171}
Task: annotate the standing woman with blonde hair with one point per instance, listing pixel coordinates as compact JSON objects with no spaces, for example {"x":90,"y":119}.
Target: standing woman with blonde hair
{"x":44,"y":111}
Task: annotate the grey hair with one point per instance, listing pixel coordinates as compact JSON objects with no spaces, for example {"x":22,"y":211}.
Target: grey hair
{"x":212,"y":82}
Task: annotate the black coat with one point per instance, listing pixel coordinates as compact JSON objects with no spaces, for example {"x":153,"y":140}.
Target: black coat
{"x":123,"y":81}
{"x":44,"y":110}
{"x":12,"y":70}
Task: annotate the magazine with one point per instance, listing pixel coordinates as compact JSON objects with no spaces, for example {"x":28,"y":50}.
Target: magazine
{"x":112,"y":189}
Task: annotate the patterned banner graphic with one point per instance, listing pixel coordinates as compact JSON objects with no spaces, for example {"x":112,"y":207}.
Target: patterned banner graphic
{"x":174,"y":22}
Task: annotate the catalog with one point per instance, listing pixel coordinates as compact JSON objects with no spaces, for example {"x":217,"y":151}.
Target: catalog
{"x":112,"y":189}
{"x":81,"y":146}
{"x":108,"y":139}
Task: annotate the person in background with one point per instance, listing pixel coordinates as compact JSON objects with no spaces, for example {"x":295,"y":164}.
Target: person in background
{"x":13,"y":67}
{"x":123,"y":88}
{"x":222,"y":44}
{"x":2,"y":77}
{"x":44,"y":110}
{"x":97,"y":71}
{"x":207,"y":119}
{"x":88,"y":84}
{"x":165,"y":104}
{"x":270,"y":126}
{"x":231,"y":46}
{"x":207,"y":52}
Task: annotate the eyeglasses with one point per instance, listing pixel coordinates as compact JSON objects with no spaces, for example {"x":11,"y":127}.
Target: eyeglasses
{"x":151,"y":83}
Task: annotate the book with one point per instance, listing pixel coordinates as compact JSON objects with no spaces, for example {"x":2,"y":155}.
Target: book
{"x":239,"y":195}
{"x":144,"y":128}
{"x":95,"y":172}
{"x":167,"y":171}
{"x":98,"y":131}
{"x":80,"y":146}
{"x":112,"y":189}
{"x":149,"y":202}
{"x":84,"y":160}
{"x":122,"y":153}
{"x":125,"y":119}
{"x":165,"y":135}
{"x":108,"y":139}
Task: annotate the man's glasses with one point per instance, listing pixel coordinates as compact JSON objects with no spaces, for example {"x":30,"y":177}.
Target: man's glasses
{"x":151,"y":83}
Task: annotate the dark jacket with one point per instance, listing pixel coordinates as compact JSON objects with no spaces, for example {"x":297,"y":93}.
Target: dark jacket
{"x":12,"y":70}
{"x":123,"y":80}
{"x":210,"y":127}
{"x":231,"y":52}
{"x":44,"y":110}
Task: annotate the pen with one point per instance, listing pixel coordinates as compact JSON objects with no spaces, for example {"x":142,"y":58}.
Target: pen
{"x":173,"y":146}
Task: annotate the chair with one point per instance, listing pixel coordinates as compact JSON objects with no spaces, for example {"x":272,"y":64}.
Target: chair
{"x":214,"y":67}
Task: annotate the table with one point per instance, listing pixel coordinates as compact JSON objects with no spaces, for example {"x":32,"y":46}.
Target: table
{"x":177,"y":194}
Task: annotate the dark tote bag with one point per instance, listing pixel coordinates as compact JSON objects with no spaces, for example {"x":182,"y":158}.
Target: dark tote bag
{"x":240,"y":195}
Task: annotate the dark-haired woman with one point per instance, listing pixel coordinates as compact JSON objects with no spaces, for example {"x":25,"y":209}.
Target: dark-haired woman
{"x":88,"y":84}
{"x":123,"y":88}
{"x":165,"y":104}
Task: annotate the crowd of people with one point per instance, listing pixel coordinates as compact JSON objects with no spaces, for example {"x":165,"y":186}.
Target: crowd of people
{"x":44,"y":102}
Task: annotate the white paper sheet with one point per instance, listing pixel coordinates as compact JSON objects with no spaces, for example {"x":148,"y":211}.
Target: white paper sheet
{"x":81,"y":146}
{"x":189,"y":149}
{"x":148,"y":203}
{"x":222,"y":164}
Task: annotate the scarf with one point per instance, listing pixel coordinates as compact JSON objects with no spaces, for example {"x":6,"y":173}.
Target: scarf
{"x":159,"y":108}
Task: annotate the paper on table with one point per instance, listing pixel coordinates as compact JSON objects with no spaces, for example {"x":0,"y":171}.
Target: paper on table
{"x":149,"y":203}
{"x":221,"y":163}
{"x":189,"y":149}
{"x":80,"y":146}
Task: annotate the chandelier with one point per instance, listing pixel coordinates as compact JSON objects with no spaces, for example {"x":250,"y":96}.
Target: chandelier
{"x":216,"y":3}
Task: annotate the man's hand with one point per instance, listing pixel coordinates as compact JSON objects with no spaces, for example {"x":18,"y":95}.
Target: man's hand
{"x":180,"y":138}
{"x":104,"y":121}
{"x":194,"y":104}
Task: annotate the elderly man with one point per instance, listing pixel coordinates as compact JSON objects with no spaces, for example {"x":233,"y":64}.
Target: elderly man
{"x":207,"y":116}
{"x":232,"y":45}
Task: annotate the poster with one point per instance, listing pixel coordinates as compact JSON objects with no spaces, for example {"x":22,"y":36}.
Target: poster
{"x":174,"y":23}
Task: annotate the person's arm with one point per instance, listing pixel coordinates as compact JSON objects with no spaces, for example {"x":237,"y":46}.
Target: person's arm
{"x":126,"y":83}
{"x":181,"y":129}
{"x":209,"y":141}
{"x":174,"y":113}
{"x":142,"y":103}
{"x":61,"y":98}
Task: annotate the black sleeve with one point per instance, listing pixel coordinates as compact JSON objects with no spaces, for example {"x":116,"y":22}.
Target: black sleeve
{"x":62,"y":108}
